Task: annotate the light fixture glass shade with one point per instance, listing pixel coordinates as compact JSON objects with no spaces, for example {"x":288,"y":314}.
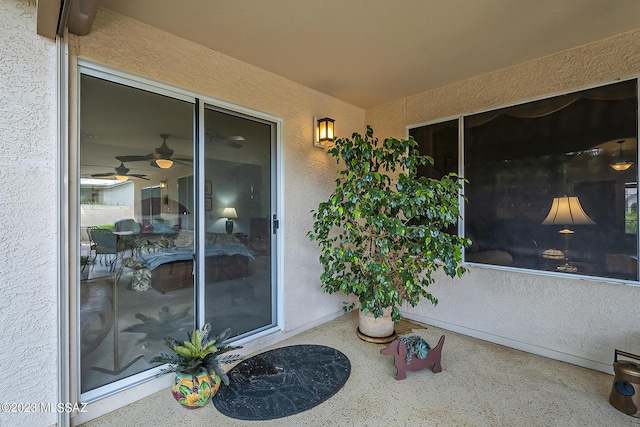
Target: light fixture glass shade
{"x":621,"y":166}
{"x":567,"y":211}
{"x":163,"y":184}
{"x":325,"y":129}
{"x":164,"y":163}
{"x":122,"y":178}
{"x":229,"y":213}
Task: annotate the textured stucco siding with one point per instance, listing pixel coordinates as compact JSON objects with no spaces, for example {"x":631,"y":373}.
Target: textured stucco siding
{"x":28,"y":269}
{"x":580,"y":321}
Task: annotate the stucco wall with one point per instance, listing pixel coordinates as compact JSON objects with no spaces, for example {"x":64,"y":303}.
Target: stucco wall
{"x":580,"y":321}
{"x":28,"y":319}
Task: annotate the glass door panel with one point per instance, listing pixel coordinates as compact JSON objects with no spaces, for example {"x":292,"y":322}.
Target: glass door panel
{"x":239,"y":290}
{"x":136,"y":228}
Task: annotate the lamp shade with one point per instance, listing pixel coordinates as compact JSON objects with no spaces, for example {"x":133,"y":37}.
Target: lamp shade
{"x":567,"y":211}
{"x":229,"y":213}
{"x":164,"y":163}
{"x":621,"y":164}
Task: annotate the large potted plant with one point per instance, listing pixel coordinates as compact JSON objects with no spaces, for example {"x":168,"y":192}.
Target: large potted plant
{"x":197,"y":365}
{"x":383,"y":230}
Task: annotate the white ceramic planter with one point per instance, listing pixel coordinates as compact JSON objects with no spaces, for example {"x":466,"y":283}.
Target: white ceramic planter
{"x":381,"y":327}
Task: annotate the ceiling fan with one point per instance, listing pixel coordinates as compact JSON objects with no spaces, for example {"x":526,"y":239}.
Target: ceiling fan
{"x":161,"y":157}
{"x":218,"y":138}
{"x":121,"y":173}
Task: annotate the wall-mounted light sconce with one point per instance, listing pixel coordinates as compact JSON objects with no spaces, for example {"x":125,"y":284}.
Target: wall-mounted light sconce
{"x":163,"y":184}
{"x":323,"y":132}
{"x":229,"y":213}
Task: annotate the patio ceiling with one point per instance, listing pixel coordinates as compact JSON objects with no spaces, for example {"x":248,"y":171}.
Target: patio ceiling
{"x":367,"y":52}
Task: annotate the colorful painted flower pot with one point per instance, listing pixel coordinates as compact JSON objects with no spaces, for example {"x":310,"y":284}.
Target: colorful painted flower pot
{"x":194,"y":394}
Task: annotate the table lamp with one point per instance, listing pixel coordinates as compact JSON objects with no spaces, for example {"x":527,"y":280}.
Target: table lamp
{"x":229,"y":213}
{"x":566,"y":211}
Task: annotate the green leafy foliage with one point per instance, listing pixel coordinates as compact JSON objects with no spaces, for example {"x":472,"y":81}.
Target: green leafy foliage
{"x":382,"y":230}
{"x":198,"y":354}
{"x":153,"y":328}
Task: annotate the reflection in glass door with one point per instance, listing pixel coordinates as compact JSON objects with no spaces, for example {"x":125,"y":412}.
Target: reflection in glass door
{"x":139,"y":232}
{"x":136,"y":237}
{"x":239,"y":290}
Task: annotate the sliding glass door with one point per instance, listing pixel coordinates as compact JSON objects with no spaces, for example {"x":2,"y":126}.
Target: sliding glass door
{"x":134,"y":146}
{"x":149,"y":267}
{"x":238,"y":204}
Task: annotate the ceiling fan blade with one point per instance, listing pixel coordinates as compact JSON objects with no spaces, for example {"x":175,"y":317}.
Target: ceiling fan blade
{"x":135,"y":175}
{"x":107,"y":175}
{"x":219,"y":138}
{"x":134,"y":158}
{"x":180,"y":162}
{"x":163,"y":152}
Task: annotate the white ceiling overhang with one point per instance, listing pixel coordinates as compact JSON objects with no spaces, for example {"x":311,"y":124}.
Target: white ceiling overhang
{"x":368,"y":52}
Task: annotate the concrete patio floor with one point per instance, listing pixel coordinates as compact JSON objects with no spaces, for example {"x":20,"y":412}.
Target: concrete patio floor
{"x":482,"y":384}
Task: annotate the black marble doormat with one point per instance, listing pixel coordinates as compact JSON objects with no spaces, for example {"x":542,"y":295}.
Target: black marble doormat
{"x":282,"y":382}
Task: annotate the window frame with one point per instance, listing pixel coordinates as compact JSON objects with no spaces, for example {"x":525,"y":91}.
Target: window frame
{"x":461,"y":172}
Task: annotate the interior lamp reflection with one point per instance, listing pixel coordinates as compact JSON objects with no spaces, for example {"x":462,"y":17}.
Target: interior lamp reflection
{"x":230,"y":214}
{"x":621,"y":164}
{"x":566,"y":211}
{"x":164,"y":163}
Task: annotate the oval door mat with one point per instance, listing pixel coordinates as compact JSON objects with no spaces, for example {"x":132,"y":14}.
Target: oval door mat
{"x":282,"y":382}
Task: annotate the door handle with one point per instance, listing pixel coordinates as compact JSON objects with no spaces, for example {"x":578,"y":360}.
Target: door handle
{"x":275,"y":224}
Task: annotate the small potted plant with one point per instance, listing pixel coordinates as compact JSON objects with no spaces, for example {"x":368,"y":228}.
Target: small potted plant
{"x":383,"y":230}
{"x":197,"y":365}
